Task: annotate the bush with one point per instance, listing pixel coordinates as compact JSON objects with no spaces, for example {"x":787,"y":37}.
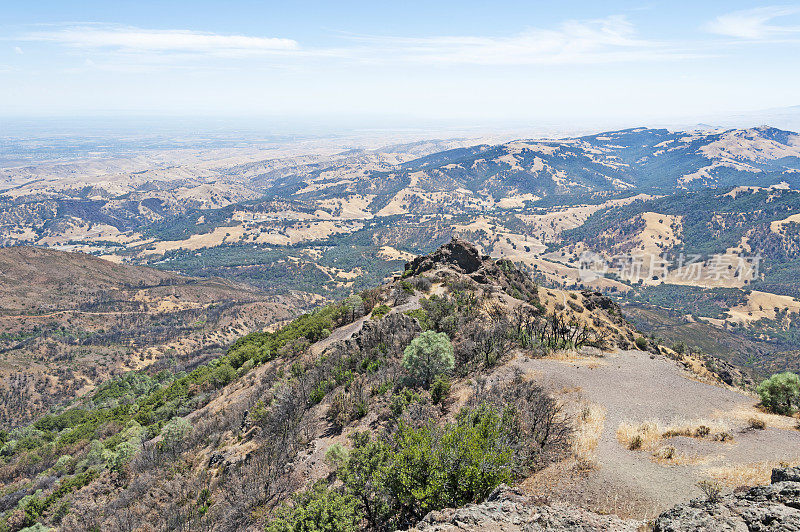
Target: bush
{"x":174,"y":432}
{"x":419,"y":469}
{"x":319,"y":509}
{"x":380,"y":311}
{"x":427,"y":356}
{"x":780,"y":393}
{"x":440,"y":389}
{"x":641,"y":343}
{"x":423,"y":284}
{"x":679,"y":348}
{"x":711,"y":489}
{"x":402,"y":399}
{"x":421,"y":316}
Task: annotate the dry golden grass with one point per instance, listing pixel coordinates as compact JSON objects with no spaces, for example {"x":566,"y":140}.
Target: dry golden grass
{"x":590,"y":422}
{"x":573,"y":357}
{"x":642,"y":436}
{"x":668,"y":455}
{"x":751,"y":474}
{"x":647,"y":435}
{"x":745,"y":413}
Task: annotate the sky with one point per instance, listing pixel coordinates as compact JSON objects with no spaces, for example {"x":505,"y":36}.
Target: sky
{"x":410,"y":62}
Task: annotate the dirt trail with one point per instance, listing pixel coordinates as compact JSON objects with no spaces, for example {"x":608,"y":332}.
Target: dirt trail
{"x":631,"y":386}
{"x":347,"y":331}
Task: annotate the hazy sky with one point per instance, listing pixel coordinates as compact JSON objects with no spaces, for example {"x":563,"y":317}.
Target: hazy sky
{"x":432,"y":60}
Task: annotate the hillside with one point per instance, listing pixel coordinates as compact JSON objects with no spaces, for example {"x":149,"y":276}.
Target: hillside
{"x":70,"y":321}
{"x":323,"y":220}
{"x":420,"y":394}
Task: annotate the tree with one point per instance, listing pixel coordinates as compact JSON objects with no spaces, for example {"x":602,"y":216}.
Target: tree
{"x":352,"y":308}
{"x":781,"y":392}
{"x":174,"y":432}
{"x":427,"y":356}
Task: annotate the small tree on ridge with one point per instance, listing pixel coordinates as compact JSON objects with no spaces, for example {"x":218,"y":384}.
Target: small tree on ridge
{"x":427,"y":356}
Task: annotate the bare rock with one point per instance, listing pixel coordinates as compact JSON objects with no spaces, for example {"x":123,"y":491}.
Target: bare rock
{"x":785,"y":474}
{"x":509,"y":510}
{"x":464,"y":258}
{"x":764,"y":508}
{"x":458,"y":253}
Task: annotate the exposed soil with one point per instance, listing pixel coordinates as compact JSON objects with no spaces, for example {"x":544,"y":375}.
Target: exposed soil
{"x":634,"y":386}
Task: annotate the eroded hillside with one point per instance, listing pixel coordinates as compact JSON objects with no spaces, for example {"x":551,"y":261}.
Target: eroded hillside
{"x":71,"y":321}
{"x":423,"y":393}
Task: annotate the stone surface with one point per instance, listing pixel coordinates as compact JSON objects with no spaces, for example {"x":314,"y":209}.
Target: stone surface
{"x":508,"y":510}
{"x":786,"y":474}
{"x":775,"y":507}
{"x":464,"y":257}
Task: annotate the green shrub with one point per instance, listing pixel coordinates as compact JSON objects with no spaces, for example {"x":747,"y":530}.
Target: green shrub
{"x":641,"y":343}
{"x":780,"y":393}
{"x":174,"y":432}
{"x":679,"y":348}
{"x":336,"y":455}
{"x":380,"y":311}
{"x":440,"y":389}
{"x":320,"y":509}
{"x":421,"y":315}
{"x":319,"y":391}
{"x":419,"y":469}
{"x":222,"y":375}
{"x":402,"y":399}
{"x":427,"y":356}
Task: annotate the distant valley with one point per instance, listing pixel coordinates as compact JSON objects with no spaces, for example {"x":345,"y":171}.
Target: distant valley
{"x":327,"y":222}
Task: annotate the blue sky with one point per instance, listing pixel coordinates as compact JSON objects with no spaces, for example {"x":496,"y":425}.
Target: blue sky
{"x":464,"y":62}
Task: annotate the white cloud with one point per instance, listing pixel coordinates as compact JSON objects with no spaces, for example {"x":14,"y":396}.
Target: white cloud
{"x":138,"y":40}
{"x":18,"y":50}
{"x":755,"y":23}
{"x":610,"y":39}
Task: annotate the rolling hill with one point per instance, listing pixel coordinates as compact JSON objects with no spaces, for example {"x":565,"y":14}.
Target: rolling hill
{"x":71,"y":321}
{"x":334,"y":420}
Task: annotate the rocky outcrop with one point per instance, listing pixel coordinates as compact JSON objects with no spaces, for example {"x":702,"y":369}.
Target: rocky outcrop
{"x":786,"y":474}
{"x":727,"y":372}
{"x":457,"y":253}
{"x":763,"y":508}
{"x":508,"y":510}
{"x":775,"y":507}
{"x":463,"y":257}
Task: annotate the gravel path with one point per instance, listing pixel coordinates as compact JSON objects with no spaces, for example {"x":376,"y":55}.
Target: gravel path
{"x":632,"y":386}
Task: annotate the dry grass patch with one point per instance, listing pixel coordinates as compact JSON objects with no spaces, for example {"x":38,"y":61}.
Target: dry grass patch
{"x":750,"y":474}
{"x":590,"y":422}
{"x":669,"y":455}
{"x":573,"y":357}
{"x":646,"y":436}
{"x":745,"y":413}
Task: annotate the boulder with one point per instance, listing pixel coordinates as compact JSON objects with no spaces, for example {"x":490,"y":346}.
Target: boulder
{"x":785,"y":474}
